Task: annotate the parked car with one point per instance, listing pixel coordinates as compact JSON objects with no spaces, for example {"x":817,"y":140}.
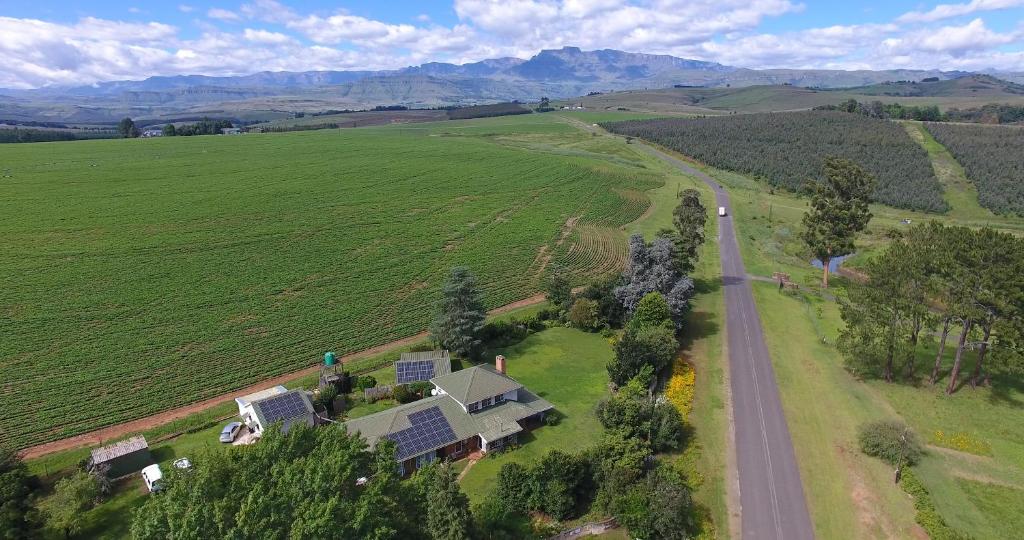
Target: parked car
{"x":182,"y":463}
{"x":230,"y":431}
{"x":152,"y":475}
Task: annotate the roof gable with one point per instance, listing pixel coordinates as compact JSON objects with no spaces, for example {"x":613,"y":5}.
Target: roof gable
{"x":476,"y":383}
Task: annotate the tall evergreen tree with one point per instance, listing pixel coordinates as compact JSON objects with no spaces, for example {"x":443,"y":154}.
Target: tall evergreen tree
{"x":460,"y":314}
{"x":448,"y":516}
{"x":126,"y":127}
{"x":17,"y":518}
{"x":689,"y":218}
{"x":839,"y":210}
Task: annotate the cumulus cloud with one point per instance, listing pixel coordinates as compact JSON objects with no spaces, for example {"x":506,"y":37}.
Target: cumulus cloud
{"x":280,"y":37}
{"x":946,"y":11}
{"x":223,"y":15}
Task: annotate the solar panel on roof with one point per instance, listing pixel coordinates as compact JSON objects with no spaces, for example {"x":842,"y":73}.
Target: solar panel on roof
{"x":410,"y":371}
{"x":429,"y":430}
{"x":283,"y":407}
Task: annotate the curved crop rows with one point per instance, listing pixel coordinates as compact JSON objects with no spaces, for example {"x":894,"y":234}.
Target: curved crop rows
{"x":141,"y":275}
{"x":788,"y":149}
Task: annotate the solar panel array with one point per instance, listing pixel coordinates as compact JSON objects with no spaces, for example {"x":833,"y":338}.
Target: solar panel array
{"x":429,"y":430}
{"x":283,"y":407}
{"x":411,"y":371}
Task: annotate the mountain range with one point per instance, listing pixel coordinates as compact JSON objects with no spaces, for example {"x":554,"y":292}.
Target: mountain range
{"x":559,"y":73}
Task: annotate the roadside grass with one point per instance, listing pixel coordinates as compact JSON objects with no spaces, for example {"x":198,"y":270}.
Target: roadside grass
{"x":567,"y":368}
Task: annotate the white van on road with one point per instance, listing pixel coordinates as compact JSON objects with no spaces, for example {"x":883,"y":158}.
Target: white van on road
{"x":721,"y":211}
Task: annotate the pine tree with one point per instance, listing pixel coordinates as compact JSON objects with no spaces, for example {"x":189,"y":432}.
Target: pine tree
{"x":448,"y":516}
{"x":460,"y":314}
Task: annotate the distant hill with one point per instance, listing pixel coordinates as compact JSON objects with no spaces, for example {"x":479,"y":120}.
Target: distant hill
{"x":556,"y":73}
{"x":972,"y":85}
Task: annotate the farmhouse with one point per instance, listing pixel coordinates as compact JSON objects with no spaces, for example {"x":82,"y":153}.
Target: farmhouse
{"x":277,"y":404}
{"x":422,"y":366}
{"x":231,"y":131}
{"x":121,"y":458}
{"x":475,"y":409}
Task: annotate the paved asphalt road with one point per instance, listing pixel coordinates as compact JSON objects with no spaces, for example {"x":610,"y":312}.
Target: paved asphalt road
{"x":771,"y":495}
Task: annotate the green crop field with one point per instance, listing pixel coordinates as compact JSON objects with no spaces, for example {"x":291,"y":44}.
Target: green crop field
{"x":139,"y":275}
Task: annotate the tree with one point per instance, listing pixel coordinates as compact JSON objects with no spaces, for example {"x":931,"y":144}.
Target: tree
{"x":72,"y":496}
{"x":689,"y":218}
{"x":460,"y":314}
{"x":169,"y":130}
{"x":448,"y":516}
{"x":659,"y":507}
{"x":651,"y":347}
{"x":126,"y":127}
{"x":514,"y":486}
{"x":557,"y":289}
{"x":17,"y":518}
{"x":633,"y":413}
{"x":303,"y":482}
{"x":558,"y":481}
{"x":652,"y":267}
{"x":609,"y":308}
{"x":839,"y":211}
{"x":584,"y":314}
{"x":651,"y":312}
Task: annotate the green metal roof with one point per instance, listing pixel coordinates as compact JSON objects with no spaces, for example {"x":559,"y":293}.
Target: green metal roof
{"x":476,"y":383}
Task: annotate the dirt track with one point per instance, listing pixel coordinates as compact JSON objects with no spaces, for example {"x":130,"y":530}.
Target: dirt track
{"x":149,"y":422}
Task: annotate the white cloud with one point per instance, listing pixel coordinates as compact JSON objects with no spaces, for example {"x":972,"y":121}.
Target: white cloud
{"x":946,"y":11}
{"x":185,"y":8}
{"x":223,"y":15}
{"x":264,"y":36}
{"x":952,"y":40}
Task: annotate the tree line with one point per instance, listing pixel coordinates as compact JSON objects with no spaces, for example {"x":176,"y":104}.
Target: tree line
{"x":787,"y":149}
{"x":22,"y":135}
{"x":991,"y":157}
{"x":992,"y":113}
{"x":936,"y":280}
{"x":205,"y":126}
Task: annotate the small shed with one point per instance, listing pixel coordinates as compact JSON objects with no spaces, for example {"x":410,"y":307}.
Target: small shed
{"x":276,"y":404}
{"x":125,"y":457}
{"x":422,"y":366}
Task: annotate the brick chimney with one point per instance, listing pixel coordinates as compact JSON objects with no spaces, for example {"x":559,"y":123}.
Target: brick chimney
{"x":499,"y":363}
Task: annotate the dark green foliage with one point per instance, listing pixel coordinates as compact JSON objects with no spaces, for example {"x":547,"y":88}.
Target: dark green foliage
{"x":448,"y":516}
{"x":558,"y":481}
{"x":609,"y":309}
{"x":658,"y":507}
{"x":891,"y":441}
{"x":991,"y":157}
{"x":895,"y":111}
{"x":205,"y":126}
{"x":486,"y":111}
{"x":927,"y":515}
{"x":71,"y":498}
{"x":993,"y":113}
{"x":17,"y":518}
{"x":689,"y":218}
{"x":402,"y":394}
{"x":21,"y":135}
{"x":505,"y":332}
{"x":839,"y":211}
{"x":652,"y":268}
{"x":557,"y":289}
{"x":651,"y":312}
{"x":326,"y":397}
{"x":646,"y":347}
{"x":514,"y":486}
{"x":169,"y":130}
{"x":494,"y":521}
{"x":303,"y":483}
{"x":127,"y":128}
{"x":584,"y":314}
{"x":634,"y":414}
{"x":787,"y":149}
{"x":366,"y":381}
{"x":460,"y":314}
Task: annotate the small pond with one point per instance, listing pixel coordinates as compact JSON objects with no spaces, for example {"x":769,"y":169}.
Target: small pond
{"x":834,"y":264}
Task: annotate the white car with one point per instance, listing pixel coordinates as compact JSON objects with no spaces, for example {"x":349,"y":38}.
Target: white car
{"x":230,"y":431}
{"x":152,"y":475}
{"x":721,"y":211}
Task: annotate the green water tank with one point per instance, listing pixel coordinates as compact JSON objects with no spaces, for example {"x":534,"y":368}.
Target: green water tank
{"x":329,"y":359}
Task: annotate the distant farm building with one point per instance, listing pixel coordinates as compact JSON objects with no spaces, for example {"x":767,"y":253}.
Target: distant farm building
{"x":121,"y":458}
{"x":422,"y":366}
{"x":153,"y":133}
{"x":231,"y":131}
{"x":261,"y":409}
{"x":477,"y":409}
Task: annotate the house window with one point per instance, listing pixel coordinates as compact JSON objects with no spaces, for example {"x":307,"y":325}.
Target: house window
{"x":425,"y":459}
{"x":499,"y":398}
{"x":460,"y":447}
{"x":473,"y":406}
{"x":486,"y":402}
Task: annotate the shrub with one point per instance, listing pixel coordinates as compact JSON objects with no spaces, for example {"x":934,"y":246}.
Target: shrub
{"x":366,"y":381}
{"x":326,"y":397}
{"x":402,"y":394}
{"x":651,"y":311}
{"x":584,"y":314}
{"x":890,"y":441}
{"x":927,"y":516}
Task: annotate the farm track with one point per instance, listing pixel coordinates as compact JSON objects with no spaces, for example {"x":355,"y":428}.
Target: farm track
{"x":108,"y":433}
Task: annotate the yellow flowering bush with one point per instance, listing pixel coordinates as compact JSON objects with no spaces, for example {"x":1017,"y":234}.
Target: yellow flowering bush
{"x":680,"y":387}
{"x":961,"y":441}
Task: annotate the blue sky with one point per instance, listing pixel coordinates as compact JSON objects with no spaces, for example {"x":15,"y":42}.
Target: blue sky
{"x":65,"y":43}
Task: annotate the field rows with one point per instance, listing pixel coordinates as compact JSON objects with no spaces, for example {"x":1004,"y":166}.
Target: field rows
{"x":140,"y":275}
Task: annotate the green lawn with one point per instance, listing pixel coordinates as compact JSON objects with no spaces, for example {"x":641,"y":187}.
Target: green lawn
{"x":567,"y":368}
